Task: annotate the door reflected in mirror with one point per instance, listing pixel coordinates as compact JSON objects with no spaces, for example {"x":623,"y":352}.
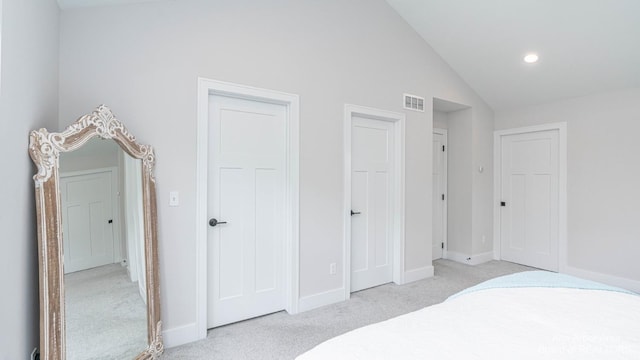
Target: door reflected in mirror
{"x":104,"y":252}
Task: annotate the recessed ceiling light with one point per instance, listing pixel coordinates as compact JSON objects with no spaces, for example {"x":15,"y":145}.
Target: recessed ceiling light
{"x":531,"y":58}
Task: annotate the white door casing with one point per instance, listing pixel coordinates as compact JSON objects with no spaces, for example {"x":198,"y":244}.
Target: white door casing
{"x":530,"y":191}
{"x":247,"y":163}
{"x":396,"y":201}
{"x":372,"y":177}
{"x":87,"y":219}
{"x":207,"y":88}
{"x":439,"y":193}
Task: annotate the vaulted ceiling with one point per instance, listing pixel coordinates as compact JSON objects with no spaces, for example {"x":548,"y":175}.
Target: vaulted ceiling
{"x":584,"y":46}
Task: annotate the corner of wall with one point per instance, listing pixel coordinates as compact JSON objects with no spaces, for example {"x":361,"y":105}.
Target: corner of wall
{"x":468,"y":258}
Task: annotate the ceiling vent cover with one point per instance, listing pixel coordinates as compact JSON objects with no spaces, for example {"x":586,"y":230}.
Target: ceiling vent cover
{"x":412,"y":102}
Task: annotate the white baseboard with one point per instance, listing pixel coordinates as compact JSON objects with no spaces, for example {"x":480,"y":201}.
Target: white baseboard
{"x":482,"y":258}
{"x":633,"y":285}
{"x":318,"y":300}
{"x":470,"y":259}
{"x":180,"y":335}
{"x":418,"y":274}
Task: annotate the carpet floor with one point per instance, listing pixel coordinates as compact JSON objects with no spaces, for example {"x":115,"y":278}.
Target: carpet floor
{"x":106,"y":317}
{"x":283,"y":336}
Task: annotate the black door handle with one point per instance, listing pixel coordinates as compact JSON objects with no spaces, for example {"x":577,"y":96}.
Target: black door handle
{"x":214,"y":222}
{"x":354,"y":213}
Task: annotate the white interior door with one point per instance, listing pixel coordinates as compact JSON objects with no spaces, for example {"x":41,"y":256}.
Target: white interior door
{"x":87,"y":221}
{"x":372,"y":176}
{"x":439,"y":194}
{"x":529,"y":199}
{"x":247,"y":168}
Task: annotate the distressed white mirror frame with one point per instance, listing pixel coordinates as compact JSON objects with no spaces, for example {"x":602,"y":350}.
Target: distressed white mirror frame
{"x":45,"y":149}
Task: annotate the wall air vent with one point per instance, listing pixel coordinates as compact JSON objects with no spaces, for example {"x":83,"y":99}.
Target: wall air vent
{"x":412,"y":102}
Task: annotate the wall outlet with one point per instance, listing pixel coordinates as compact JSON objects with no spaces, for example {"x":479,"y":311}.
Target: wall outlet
{"x":484,"y":239}
{"x":332,"y":269}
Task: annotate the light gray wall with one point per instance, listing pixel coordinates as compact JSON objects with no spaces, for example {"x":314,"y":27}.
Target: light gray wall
{"x":95,"y":154}
{"x":440,"y":120}
{"x":28,"y":100}
{"x":603,"y":177}
{"x":482,"y":183}
{"x":459,"y":181}
{"x":143,"y":61}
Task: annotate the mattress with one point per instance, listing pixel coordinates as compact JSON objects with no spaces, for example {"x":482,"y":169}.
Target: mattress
{"x":530,"y":315}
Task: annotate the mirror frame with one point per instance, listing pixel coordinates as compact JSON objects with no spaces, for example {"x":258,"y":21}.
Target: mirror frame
{"x":45,"y":149}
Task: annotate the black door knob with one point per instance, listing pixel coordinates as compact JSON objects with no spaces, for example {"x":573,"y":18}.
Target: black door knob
{"x":214,"y":222}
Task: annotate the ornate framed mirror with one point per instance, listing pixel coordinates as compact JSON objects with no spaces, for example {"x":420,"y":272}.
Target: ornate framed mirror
{"x":97,"y":241}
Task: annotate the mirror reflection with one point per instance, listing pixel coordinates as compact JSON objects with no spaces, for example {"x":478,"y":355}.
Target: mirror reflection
{"x":103,"y":247}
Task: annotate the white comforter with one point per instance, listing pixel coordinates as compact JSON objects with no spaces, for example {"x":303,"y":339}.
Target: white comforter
{"x":504,"y":323}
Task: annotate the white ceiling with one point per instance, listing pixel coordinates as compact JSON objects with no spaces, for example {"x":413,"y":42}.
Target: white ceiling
{"x":585,"y":46}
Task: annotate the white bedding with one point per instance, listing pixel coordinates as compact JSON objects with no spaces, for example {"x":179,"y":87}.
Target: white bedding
{"x":502,"y":323}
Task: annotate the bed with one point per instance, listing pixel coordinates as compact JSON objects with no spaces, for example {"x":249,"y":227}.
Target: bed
{"x":528,"y":315}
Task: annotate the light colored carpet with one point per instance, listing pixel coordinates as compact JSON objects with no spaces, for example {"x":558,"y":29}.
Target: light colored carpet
{"x":284,"y":336}
{"x":106,"y":316}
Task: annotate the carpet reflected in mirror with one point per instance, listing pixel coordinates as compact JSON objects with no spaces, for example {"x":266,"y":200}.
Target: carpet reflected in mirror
{"x":106,"y":318}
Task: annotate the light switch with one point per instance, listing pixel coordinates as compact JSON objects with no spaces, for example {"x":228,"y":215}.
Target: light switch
{"x":174,"y":198}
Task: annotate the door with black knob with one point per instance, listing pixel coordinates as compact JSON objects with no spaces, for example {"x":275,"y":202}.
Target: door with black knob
{"x":87,"y":222}
{"x":246,"y":226}
{"x":372,"y":179}
{"x":529,"y":199}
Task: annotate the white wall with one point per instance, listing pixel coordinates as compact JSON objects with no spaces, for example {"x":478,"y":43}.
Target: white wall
{"x":482,"y":185}
{"x":95,"y":154}
{"x":28,"y":100}
{"x":603,"y":177}
{"x":143,"y":61}
{"x":459,"y":182}
{"x":440,"y":120}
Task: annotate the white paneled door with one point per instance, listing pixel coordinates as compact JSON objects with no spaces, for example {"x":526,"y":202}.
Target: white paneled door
{"x":87,"y":221}
{"x":439,"y":193}
{"x":247,"y":168}
{"x":529,"y":199}
{"x":372,"y":176}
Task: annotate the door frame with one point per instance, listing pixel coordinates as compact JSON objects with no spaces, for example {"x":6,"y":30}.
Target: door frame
{"x":398,"y":120}
{"x":445,"y":211}
{"x":207,"y":87}
{"x":561,"y":127}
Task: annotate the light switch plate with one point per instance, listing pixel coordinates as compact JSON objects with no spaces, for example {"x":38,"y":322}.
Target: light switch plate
{"x":174,"y":198}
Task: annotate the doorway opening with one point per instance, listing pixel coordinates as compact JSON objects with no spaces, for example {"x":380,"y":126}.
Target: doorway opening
{"x":451,"y":187}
